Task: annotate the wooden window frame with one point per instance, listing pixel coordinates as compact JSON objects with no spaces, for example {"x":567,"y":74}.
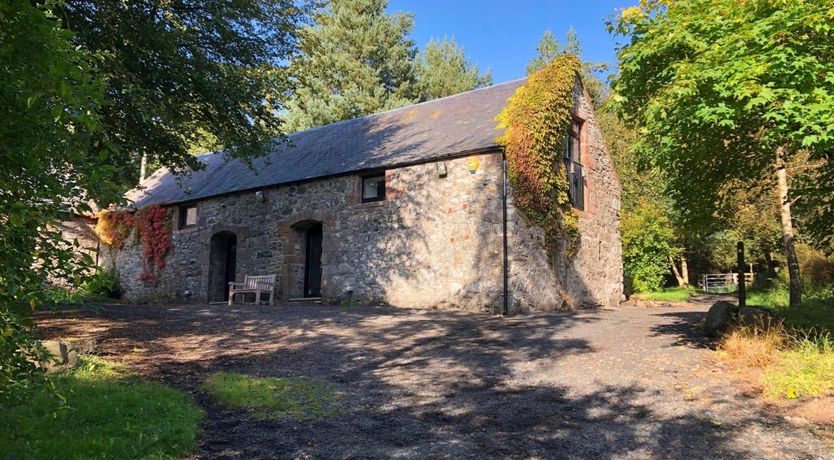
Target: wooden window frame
{"x":573,"y":164}
{"x":381,"y":192}
{"x":182,"y":221}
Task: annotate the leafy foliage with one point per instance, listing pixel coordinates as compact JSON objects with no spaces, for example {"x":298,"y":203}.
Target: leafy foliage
{"x":647,"y":236}
{"x":549,"y":49}
{"x":52,"y":161}
{"x":177,"y":71}
{"x":728,"y":93}
{"x":718,"y":86}
{"x":19,"y":352}
{"x":153,"y":230}
{"x":537,"y":118}
{"x":104,"y":283}
{"x":113,"y":227}
{"x":444,"y":70}
{"x":355,"y":60}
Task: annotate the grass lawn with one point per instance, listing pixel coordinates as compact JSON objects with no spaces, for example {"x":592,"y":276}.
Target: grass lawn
{"x":816,"y":311}
{"x":108,"y":413}
{"x":270,"y":397}
{"x":677,"y":294}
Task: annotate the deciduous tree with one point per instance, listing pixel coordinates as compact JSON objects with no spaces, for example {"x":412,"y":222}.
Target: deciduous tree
{"x":52,"y":158}
{"x":729,"y":92}
{"x":181,"y":72}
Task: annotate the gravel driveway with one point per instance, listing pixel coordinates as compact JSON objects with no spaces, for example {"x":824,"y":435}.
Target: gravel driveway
{"x":626,"y":383}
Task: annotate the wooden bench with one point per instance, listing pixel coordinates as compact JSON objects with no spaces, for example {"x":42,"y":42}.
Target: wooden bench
{"x":262,"y":284}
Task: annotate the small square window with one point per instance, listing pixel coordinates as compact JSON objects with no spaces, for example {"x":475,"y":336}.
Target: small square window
{"x":373,"y":188}
{"x":188,"y":216}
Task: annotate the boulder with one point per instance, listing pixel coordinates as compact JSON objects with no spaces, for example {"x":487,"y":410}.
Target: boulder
{"x":58,"y":355}
{"x":754,"y":316}
{"x":719,"y":318}
{"x":64,"y":353}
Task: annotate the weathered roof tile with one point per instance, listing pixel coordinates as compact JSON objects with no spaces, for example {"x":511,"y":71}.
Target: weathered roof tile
{"x":423,"y":132}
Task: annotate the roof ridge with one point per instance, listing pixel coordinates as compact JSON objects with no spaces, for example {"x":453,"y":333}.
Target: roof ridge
{"x":371,"y":115}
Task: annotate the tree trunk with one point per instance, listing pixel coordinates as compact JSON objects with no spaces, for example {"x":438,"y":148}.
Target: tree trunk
{"x":787,"y":227}
{"x":681,"y":276}
{"x":684,"y":270}
{"x":143,"y":167}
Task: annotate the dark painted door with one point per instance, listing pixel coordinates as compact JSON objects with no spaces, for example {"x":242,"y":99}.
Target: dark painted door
{"x":229,"y":275}
{"x":312,"y":268}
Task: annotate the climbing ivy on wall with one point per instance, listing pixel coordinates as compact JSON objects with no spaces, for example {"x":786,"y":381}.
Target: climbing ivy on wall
{"x":113,"y":227}
{"x":153,"y":230}
{"x":537,"y":118}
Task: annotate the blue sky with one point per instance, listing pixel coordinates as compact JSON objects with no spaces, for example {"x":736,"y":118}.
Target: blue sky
{"x":502,"y":35}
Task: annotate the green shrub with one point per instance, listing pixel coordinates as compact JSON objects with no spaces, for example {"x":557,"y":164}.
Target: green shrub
{"x":103,"y":283}
{"x":647,"y":246}
{"x":268,"y":397}
{"x":107,"y":413}
{"x":18,"y":352}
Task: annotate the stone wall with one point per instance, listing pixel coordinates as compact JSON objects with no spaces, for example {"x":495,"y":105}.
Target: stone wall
{"x":594,"y":276}
{"x":435,"y":242}
{"x":78,"y":233}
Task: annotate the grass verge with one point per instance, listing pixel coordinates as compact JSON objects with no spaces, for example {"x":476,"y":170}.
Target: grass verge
{"x":815,"y":313}
{"x":793,"y":363}
{"x":677,"y":294}
{"x":107,"y":413}
{"x":272,"y":397}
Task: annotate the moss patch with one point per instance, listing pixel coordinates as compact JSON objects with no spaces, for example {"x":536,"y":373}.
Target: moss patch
{"x":272,"y":397}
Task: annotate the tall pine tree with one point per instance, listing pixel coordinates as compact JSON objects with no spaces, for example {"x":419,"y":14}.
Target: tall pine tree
{"x":444,"y":70}
{"x":355,"y":60}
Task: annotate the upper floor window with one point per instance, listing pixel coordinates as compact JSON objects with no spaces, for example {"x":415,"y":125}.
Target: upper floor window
{"x":373,"y":188}
{"x":187,"y":216}
{"x":573,"y":165}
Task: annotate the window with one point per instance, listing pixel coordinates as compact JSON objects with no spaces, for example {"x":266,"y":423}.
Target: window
{"x":188,"y":216}
{"x":573,"y":165}
{"x":373,"y":188}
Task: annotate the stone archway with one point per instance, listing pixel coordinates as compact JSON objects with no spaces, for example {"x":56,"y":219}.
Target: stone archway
{"x":302,"y":276}
{"x":222,"y":265}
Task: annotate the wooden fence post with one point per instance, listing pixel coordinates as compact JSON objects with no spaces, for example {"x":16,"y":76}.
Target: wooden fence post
{"x":742,"y":281}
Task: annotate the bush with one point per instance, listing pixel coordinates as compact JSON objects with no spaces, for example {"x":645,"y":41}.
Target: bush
{"x":18,"y":353}
{"x":816,"y":269}
{"x":647,"y":246}
{"x":104,"y":283}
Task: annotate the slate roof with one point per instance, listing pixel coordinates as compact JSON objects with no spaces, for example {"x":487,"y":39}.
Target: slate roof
{"x":428,"y":131}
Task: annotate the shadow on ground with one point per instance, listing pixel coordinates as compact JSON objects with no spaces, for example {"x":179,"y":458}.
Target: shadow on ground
{"x":443,"y":384}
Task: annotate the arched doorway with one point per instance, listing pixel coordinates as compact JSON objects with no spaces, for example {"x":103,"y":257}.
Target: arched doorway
{"x":222,"y":255}
{"x":303,"y":273}
{"x":312,"y":261}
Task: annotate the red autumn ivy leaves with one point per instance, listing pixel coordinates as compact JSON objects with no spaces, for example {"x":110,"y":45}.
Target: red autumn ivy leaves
{"x":153,"y":230}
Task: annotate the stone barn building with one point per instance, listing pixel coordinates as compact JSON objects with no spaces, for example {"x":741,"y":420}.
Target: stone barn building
{"x":405,"y":208}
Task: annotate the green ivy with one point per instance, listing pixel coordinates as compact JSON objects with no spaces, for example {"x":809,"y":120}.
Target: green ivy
{"x":537,"y":118}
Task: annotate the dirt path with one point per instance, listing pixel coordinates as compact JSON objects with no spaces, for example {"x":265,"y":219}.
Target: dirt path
{"x":626,"y":383}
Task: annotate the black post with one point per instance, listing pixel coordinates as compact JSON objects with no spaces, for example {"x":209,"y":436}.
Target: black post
{"x":506,"y":307}
{"x":742,"y":286}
